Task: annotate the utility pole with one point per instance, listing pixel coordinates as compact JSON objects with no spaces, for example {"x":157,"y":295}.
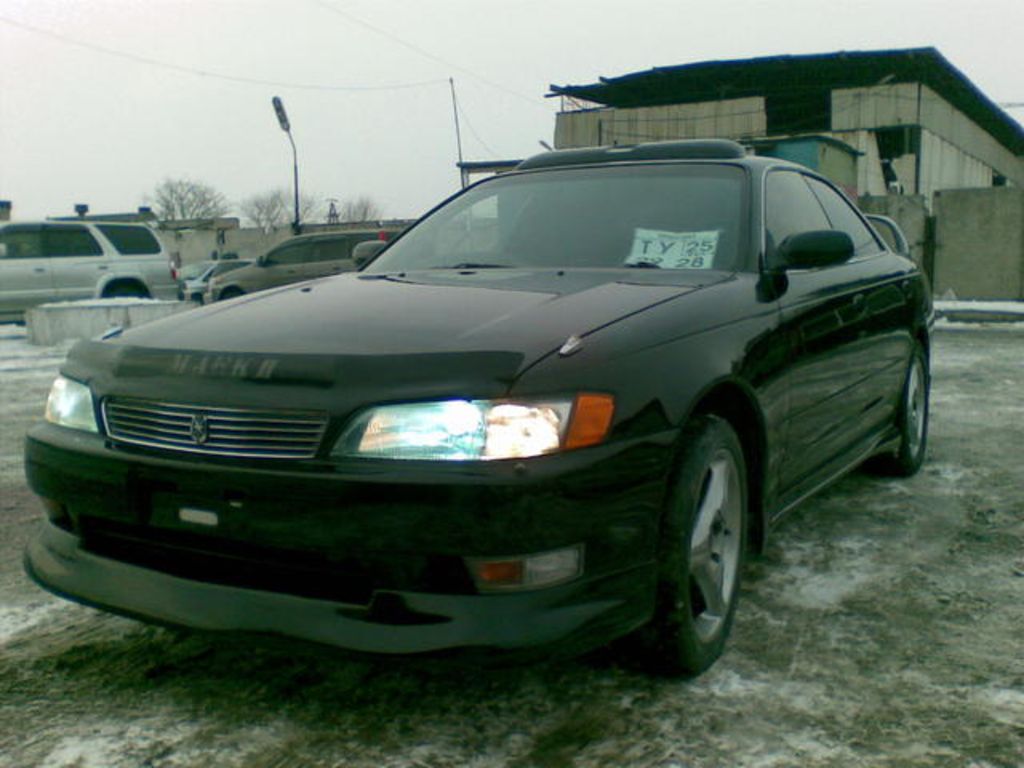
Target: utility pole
{"x":282,"y":119}
{"x":458,"y":133}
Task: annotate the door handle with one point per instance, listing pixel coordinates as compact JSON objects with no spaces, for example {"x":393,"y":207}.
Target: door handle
{"x":39,"y":269}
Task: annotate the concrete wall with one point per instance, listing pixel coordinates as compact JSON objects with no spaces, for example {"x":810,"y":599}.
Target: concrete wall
{"x":49,"y":324}
{"x":194,"y":245}
{"x":979,"y":249}
{"x":728,"y":119}
{"x":946,"y":166}
{"x":962,"y":145}
{"x":870,"y":180}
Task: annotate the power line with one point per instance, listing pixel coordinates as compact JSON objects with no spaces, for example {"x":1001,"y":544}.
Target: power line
{"x":208,"y":73}
{"x":426,"y":54}
{"x":462,"y":111}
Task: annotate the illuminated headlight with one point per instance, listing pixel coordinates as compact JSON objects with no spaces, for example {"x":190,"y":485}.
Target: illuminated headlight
{"x":70,"y":405}
{"x":477,"y":430}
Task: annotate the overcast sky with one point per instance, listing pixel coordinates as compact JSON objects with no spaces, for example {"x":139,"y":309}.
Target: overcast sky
{"x":101,"y":99}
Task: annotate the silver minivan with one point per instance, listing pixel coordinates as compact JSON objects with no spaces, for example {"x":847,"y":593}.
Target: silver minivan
{"x":64,"y":261}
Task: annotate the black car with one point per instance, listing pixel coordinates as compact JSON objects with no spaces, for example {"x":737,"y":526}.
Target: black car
{"x":556,"y":411}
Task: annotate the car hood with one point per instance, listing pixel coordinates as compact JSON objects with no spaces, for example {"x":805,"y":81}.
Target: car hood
{"x":353,"y":329}
{"x":513,"y":310}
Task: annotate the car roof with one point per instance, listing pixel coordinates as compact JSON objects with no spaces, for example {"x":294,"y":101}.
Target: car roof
{"x":73,"y":222}
{"x":699,"y":150}
{"x":313,"y":236}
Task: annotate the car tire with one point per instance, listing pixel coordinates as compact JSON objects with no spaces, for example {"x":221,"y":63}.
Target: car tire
{"x":911,"y":421}
{"x":700,"y":552}
{"x":231,"y":292}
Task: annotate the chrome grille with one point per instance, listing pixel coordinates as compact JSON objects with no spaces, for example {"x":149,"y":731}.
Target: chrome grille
{"x":215,"y":431}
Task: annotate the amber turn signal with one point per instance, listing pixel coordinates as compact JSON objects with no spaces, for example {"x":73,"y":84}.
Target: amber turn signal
{"x":590,"y":421}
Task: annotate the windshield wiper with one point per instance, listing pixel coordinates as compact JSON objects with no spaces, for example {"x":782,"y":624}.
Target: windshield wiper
{"x":643,"y":265}
{"x":472,"y":265}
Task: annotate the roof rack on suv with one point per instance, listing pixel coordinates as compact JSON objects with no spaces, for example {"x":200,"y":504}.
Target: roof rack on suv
{"x":694,"y":149}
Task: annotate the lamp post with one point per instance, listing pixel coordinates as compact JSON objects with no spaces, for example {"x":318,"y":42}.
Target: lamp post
{"x":282,"y":119}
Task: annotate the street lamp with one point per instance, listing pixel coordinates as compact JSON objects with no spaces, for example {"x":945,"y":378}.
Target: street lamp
{"x":282,"y":118}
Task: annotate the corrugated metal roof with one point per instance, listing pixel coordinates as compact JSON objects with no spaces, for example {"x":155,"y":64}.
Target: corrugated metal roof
{"x":792,"y":75}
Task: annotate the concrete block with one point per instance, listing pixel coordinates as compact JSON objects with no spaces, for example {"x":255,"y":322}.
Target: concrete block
{"x":980,"y":243}
{"x":48,"y":324}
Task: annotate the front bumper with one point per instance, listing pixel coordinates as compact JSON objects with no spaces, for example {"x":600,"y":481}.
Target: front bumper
{"x":366,"y":563}
{"x":574,"y":616}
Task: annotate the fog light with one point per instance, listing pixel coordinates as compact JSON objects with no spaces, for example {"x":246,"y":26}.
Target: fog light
{"x":56,"y":512}
{"x":544,"y":569}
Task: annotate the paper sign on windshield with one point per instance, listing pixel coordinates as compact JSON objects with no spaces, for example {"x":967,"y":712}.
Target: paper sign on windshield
{"x":674,"y":250}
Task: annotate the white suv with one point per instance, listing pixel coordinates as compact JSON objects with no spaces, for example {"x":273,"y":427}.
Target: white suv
{"x":64,"y":261}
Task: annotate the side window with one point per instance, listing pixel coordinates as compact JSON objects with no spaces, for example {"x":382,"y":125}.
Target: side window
{"x":333,"y":250}
{"x":791,"y":208}
{"x":845,"y":219}
{"x":70,"y":241}
{"x":22,"y":242}
{"x":293,"y":254}
{"x":131,"y":241}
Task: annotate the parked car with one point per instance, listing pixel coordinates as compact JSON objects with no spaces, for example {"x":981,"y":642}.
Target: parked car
{"x":193,"y":279}
{"x":299,"y":258}
{"x":189,"y":272}
{"x":64,"y":261}
{"x":558,"y":410}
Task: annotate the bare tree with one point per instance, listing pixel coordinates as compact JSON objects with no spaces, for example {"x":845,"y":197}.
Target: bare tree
{"x":187,"y":199}
{"x":361,"y":208}
{"x":275,"y":208}
{"x":268,"y":210}
{"x":311,"y":207}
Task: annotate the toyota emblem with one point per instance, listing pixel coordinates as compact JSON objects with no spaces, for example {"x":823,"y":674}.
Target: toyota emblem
{"x":199,"y":429}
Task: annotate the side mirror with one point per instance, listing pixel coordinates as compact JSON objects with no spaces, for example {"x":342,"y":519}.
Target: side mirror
{"x":890,"y":232}
{"x":366,"y":251}
{"x":809,"y":250}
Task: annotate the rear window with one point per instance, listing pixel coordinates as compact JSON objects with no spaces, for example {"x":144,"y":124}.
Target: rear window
{"x":131,"y":241}
{"x":668,"y":217}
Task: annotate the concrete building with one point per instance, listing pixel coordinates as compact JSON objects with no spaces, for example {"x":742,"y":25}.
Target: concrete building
{"x":912,"y":121}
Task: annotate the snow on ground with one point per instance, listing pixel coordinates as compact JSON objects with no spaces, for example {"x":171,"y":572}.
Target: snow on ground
{"x":882,"y":628}
{"x":115,"y":301}
{"x":955,"y":305}
{"x":965,"y":315}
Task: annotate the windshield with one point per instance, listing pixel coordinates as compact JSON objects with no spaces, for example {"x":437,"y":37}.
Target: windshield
{"x":228,"y":266}
{"x":194,"y":270}
{"x":656,"y":216}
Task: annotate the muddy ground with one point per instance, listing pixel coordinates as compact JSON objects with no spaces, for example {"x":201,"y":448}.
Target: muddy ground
{"x":884,"y":627}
